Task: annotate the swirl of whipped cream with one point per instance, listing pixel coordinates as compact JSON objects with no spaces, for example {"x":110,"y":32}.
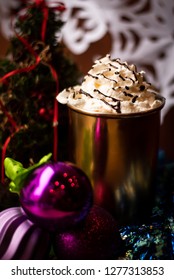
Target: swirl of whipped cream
{"x":112,"y":86}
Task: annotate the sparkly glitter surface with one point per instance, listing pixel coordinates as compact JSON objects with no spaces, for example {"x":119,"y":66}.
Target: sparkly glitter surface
{"x":155,"y":239}
{"x":96,"y":238}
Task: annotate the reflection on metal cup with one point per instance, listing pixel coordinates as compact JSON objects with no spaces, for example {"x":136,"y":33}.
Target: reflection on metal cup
{"x":118,"y":152}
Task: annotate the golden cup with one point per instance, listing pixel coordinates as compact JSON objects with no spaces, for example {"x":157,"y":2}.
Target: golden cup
{"x":118,"y":152}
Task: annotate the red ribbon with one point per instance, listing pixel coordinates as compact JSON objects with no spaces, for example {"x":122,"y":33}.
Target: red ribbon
{"x":45,"y":11}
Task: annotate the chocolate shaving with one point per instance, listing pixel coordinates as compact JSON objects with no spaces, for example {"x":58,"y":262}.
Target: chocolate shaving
{"x":134,"y":98}
{"x":131,"y":79}
{"x":127,"y":94}
{"x":112,"y":98}
{"x":94,"y":77}
{"x":112,"y":80}
{"x":115,"y":107}
{"x":142,"y":87}
{"x":113,"y":66}
{"x":122,"y":77}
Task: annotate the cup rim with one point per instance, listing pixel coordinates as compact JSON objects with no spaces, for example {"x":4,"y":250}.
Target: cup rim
{"x":120,"y":115}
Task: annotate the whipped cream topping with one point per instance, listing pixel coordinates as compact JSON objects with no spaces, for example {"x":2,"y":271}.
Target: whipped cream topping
{"x":112,"y":86}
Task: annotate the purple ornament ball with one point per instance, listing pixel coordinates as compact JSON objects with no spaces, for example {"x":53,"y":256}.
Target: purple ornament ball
{"x":57,"y":196}
{"x":20,"y":239}
{"x":96,"y":238}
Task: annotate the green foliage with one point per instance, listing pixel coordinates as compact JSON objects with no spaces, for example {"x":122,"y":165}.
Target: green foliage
{"x":15,"y":171}
{"x":29,"y":96}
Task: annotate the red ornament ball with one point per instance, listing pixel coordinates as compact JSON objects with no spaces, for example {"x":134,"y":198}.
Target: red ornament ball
{"x":20,"y":239}
{"x":57,"y":196}
{"x":96,"y":238}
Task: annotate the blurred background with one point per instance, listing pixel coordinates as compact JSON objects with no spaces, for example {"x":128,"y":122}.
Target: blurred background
{"x":137,"y":31}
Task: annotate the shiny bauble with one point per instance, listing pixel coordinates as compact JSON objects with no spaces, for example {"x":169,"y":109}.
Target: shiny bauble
{"x":57,"y":196}
{"x":96,"y":238}
{"x":20,"y":239}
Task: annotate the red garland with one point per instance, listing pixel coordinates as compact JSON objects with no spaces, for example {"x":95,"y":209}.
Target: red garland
{"x":40,"y":4}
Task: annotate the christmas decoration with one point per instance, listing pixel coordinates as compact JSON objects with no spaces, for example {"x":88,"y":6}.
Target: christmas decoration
{"x":20,"y":239}
{"x":150,"y":241}
{"x":37,"y":68}
{"x":16,"y":172}
{"x":56,"y":196}
{"x":97,"y":237}
{"x":154,"y":240}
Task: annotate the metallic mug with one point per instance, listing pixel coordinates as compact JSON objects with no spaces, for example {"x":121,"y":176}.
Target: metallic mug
{"x":119,"y":155}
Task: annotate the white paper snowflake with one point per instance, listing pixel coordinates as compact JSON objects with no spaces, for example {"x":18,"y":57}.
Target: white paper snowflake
{"x":5,"y":19}
{"x":142,"y":32}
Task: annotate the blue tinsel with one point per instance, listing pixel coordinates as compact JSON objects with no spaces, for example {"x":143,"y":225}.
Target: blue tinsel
{"x":155,"y":240}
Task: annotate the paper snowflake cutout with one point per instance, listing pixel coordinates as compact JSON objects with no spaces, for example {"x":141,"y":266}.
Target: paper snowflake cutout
{"x":142,"y":33}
